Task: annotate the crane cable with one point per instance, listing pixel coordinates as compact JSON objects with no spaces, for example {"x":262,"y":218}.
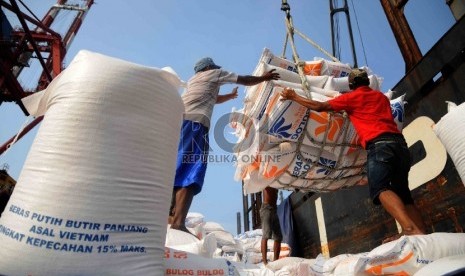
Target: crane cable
{"x":291,"y":30}
{"x":290,"y":37}
{"x":359,"y":33}
{"x":306,"y":87}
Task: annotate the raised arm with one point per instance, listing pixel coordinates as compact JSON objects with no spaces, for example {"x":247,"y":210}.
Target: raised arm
{"x":252,"y":80}
{"x":227,"y":97}
{"x":289,"y":94}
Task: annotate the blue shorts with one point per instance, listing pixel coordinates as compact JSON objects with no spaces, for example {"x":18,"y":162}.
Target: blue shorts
{"x":387,"y":167}
{"x":192,"y":156}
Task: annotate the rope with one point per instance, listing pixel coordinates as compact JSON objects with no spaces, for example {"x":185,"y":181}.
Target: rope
{"x":286,"y":40}
{"x":325,"y":182}
{"x":337,"y":50}
{"x":314,"y":44}
{"x":359,"y":33}
{"x":300,"y":65}
{"x":8,"y":147}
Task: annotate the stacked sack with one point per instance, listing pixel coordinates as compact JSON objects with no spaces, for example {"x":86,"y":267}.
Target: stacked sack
{"x":208,"y":239}
{"x":285,"y":145}
{"x":251,"y":244}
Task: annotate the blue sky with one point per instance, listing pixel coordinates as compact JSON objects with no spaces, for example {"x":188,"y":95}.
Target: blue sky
{"x":177,"y":33}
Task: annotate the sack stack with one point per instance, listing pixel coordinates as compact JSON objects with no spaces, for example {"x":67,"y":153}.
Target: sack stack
{"x":285,"y":145}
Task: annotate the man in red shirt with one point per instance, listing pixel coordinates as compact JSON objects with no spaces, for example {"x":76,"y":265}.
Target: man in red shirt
{"x":389,"y":160}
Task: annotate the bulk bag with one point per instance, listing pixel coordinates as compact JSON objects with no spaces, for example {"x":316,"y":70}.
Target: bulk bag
{"x":94,"y":193}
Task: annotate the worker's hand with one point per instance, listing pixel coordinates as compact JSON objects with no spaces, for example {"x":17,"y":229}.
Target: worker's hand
{"x":288,"y":94}
{"x":271,"y":75}
{"x":233,"y":93}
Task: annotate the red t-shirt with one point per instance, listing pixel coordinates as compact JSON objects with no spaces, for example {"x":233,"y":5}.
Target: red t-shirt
{"x":369,"y":111}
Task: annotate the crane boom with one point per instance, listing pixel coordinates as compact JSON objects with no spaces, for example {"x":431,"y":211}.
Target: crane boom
{"x":19,"y":45}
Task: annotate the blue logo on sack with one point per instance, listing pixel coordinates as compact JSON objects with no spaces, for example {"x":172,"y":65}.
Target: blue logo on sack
{"x":397,"y":112}
{"x":326,"y":162}
{"x":279,"y":129}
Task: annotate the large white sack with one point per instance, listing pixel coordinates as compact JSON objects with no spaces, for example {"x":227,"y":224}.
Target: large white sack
{"x":195,"y":223}
{"x":224,"y":238}
{"x":288,"y":119}
{"x":337,"y":265}
{"x":406,"y":256}
{"x":176,"y":237}
{"x":248,"y":152}
{"x":290,"y":262}
{"x":451,"y":131}
{"x":187,"y":242}
{"x":332,"y":131}
{"x":411,"y":253}
{"x":323,"y":67}
{"x":94,"y":193}
{"x":451,"y":265}
{"x":287,"y":70}
{"x":341,"y":84}
{"x":266,"y":99}
{"x":255,"y":182}
{"x":193,"y":219}
{"x":233,"y":248}
{"x":250,"y":269}
{"x":184,"y":263}
{"x":313,"y":163}
{"x":290,"y":76}
{"x":269,"y":58}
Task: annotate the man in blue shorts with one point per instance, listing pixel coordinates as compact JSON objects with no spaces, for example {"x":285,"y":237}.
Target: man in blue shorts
{"x":388,"y":160}
{"x":201,"y":95}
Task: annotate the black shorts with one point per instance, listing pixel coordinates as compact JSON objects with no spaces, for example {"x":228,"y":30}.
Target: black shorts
{"x":270,"y":223}
{"x":388,"y":166}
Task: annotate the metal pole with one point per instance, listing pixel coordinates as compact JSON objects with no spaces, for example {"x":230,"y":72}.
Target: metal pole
{"x":333,"y":11}
{"x":405,"y":39}
{"x":245,"y":209}
{"x":238,"y":217}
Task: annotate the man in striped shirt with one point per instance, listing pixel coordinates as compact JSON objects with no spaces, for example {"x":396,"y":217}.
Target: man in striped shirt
{"x":200,"y":97}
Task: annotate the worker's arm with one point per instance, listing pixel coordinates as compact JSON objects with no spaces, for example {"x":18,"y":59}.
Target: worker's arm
{"x":289,"y":94}
{"x":252,"y":80}
{"x":227,"y":97}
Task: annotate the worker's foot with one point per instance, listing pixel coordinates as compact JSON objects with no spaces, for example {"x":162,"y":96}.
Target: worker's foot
{"x":180,"y":228}
{"x":392,"y":238}
{"x":170,"y":219}
{"x":408,"y":232}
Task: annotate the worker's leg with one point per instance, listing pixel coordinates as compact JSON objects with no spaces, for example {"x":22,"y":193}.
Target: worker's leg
{"x":415,"y":215}
{"x":264,"y":249}
{"x":184,"y":198}
{"x":265,"y":216}
{"x":172,"y":207}
{"x":396,"y":208}
{"x":387,"y":168}
{"x":276,"y":250}
{"x":277,"y":234}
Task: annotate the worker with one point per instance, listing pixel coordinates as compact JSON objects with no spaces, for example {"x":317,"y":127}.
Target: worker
{"x":270,"y":224}
{"x":388,"y":161}
{"x":199,"y":98}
